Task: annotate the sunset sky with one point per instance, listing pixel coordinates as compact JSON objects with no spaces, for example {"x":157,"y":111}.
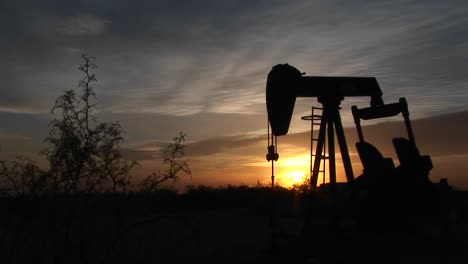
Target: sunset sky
{"x":201,"y":67}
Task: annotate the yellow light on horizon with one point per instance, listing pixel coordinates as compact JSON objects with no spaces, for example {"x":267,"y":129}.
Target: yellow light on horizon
{"x":295,"y":177}
{"x":292,"y":170}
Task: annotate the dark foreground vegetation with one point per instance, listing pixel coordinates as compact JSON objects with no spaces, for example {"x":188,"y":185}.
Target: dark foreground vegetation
{"x":230,"y":224}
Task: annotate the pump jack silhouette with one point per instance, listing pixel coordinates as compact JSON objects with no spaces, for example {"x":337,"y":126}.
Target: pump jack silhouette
{"x":285,"y":83}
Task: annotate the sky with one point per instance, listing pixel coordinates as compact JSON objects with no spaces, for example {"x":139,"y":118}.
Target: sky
{"x":201,"y":66}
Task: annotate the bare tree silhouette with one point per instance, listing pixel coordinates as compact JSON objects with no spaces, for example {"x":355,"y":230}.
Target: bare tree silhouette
{"x":85,"y":155}
{"x":21,"y":177}
{"x":173,"y":159}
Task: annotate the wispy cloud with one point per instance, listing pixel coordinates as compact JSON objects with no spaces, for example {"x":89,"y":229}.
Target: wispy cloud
{"x":182,"y":60}
{"x":82,"y":25}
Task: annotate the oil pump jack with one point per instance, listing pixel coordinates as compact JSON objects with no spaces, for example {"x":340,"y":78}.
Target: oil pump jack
{"x":285,"y":83}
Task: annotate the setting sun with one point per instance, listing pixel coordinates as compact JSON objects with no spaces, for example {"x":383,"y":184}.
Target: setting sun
{"x":295,"y":177}
{"x":292,"y":170}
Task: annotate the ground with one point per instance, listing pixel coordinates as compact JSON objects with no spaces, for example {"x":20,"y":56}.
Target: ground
{"x":233,"y":226}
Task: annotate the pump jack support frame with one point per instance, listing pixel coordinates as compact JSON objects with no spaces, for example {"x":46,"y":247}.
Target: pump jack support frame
{"x":331,"y":122}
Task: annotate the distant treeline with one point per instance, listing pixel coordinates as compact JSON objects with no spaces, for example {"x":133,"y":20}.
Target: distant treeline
{"x":194,"y":197}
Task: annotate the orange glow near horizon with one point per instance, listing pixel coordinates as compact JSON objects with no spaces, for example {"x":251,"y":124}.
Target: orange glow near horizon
{"x":295,"y":177}
{"x":292,"y":170}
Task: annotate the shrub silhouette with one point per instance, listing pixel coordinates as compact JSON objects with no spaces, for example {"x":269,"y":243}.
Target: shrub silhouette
{"x":21,"y":177}
{"x":84,"y":155}
{"x":173,"y":159}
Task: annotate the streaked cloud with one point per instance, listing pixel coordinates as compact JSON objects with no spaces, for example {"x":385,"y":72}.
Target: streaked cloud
{"x":181,"y":59}
{"x":82,"y":25}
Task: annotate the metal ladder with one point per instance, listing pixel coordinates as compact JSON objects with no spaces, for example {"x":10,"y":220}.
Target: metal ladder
{"x":315,"y":120}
